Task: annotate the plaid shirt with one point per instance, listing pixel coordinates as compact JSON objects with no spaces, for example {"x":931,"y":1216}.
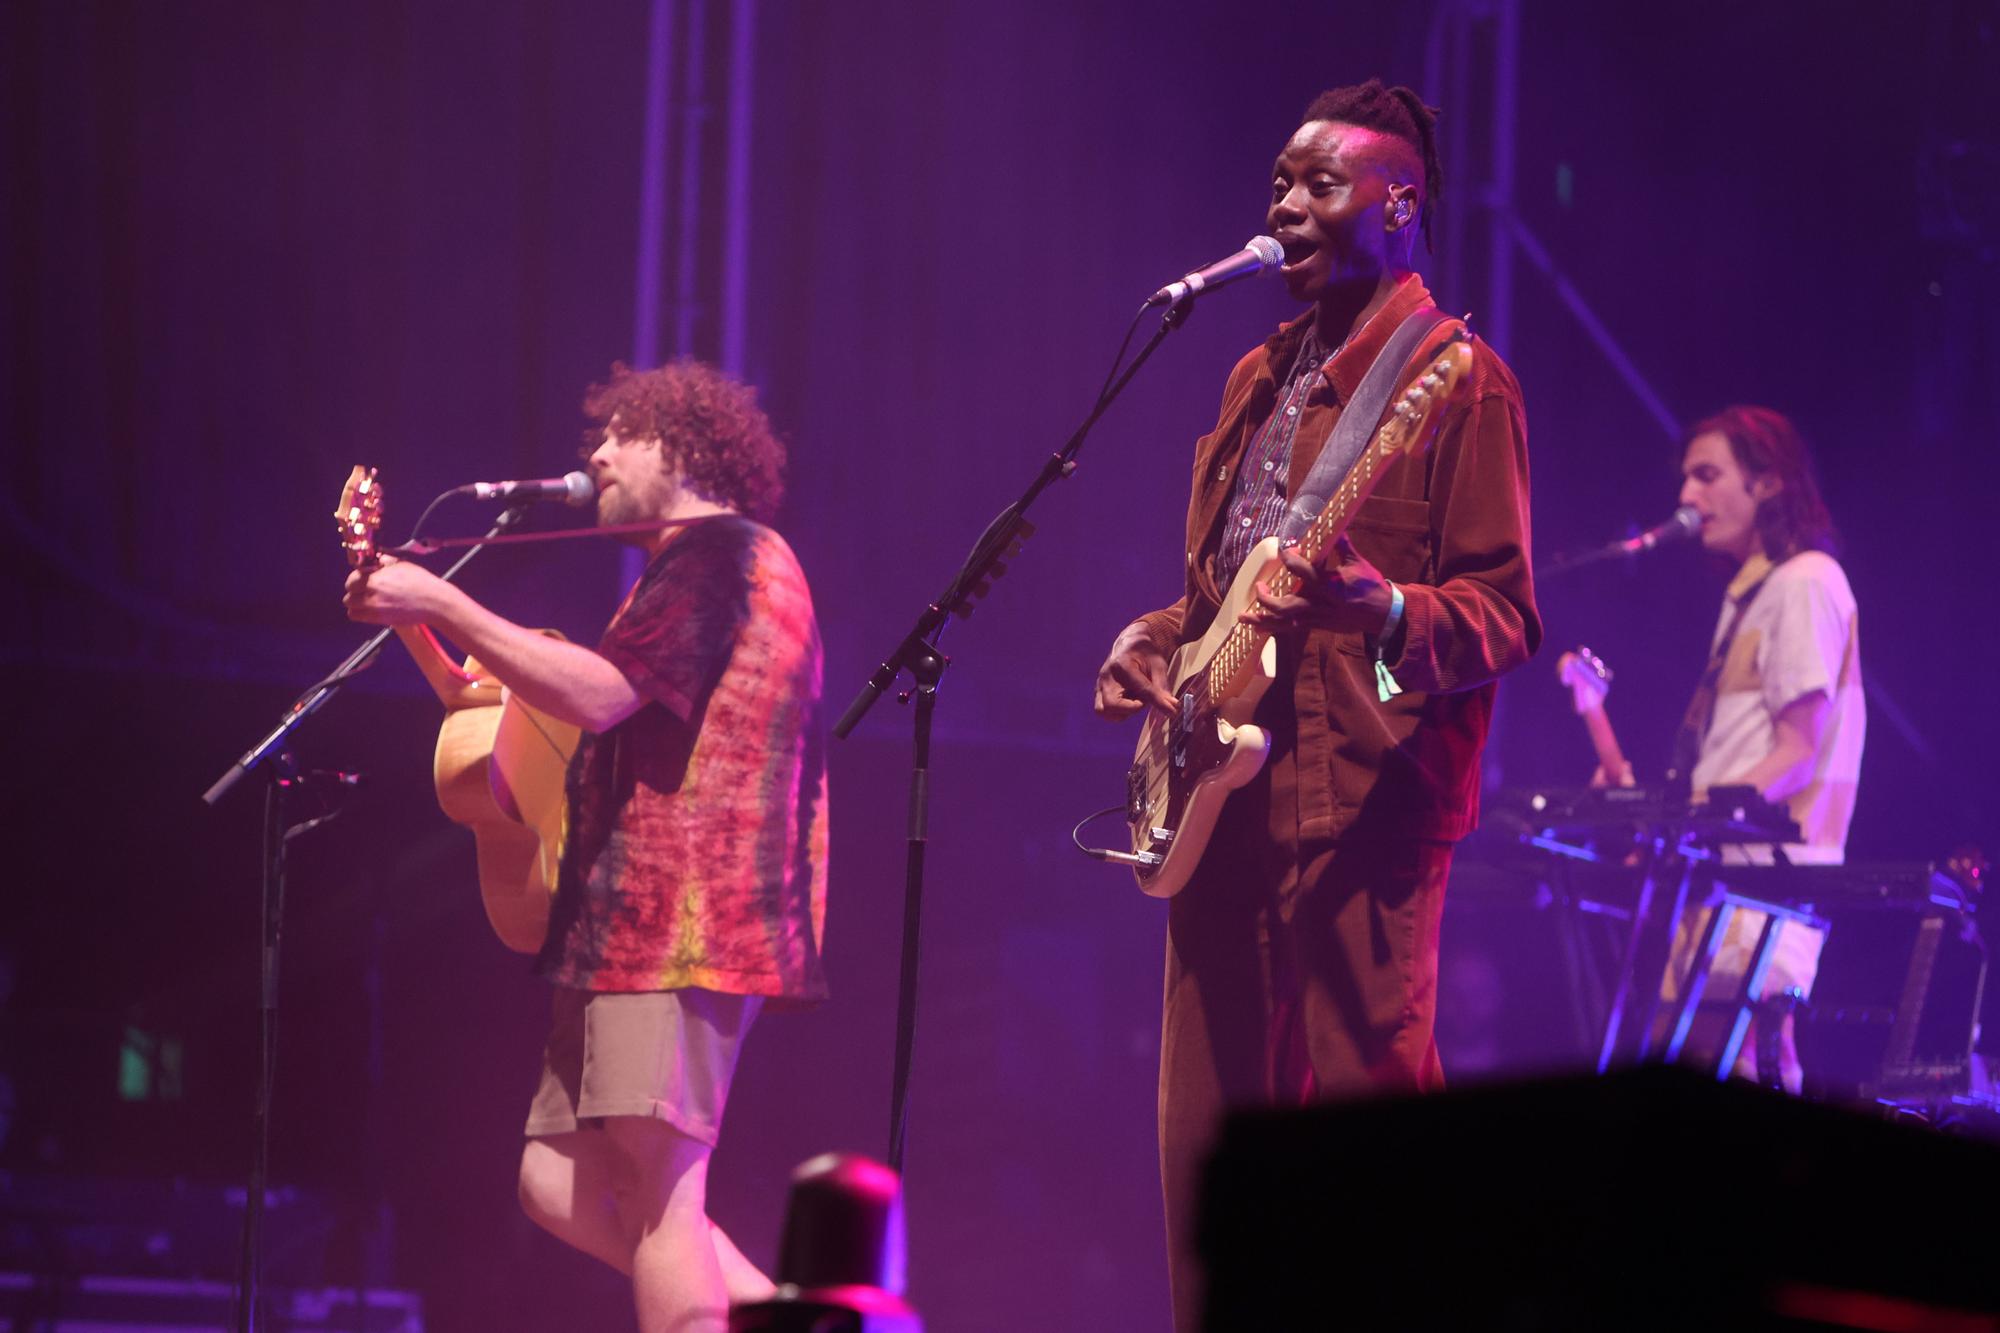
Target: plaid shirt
{"x":1257,"y":506}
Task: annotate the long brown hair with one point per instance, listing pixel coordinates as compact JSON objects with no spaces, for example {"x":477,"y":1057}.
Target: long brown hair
{"x":1766,"y":444}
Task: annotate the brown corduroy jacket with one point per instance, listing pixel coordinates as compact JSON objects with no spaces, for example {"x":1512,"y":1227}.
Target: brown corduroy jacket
{"x":1449,"y":527}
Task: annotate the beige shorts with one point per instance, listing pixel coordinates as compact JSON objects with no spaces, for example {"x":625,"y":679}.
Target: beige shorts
{"x":668,"y":1055}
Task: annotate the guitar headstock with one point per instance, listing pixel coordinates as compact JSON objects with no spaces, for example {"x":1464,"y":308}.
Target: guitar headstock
{"x":358,"y":516}
{"x":1589,"y":680}
{"x":1416,"y":414}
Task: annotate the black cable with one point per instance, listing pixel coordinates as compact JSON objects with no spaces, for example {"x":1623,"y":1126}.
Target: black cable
{"x":1076,"y":833}
{"x":354,"y":666}
{"x":1119,"y":359}
{"x":429,"y":509}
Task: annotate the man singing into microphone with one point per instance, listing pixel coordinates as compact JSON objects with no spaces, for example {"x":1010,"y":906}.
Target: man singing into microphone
{"x":1302,"y":956}
{"x":693,"y":876}
{"x":1780,"y":706}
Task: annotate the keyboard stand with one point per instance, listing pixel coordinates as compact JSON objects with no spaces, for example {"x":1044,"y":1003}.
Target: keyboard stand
{"x":1722,"y":905}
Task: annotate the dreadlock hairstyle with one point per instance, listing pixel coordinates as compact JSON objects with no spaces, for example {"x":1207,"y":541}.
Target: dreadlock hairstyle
{"x":1394,"y":111}
{"x":1764,"y":443}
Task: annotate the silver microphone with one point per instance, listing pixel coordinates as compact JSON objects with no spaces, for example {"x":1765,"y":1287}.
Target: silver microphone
{"x":572,"y":488}
{"x":1258,"y":253}
{"x":1684,"y":523}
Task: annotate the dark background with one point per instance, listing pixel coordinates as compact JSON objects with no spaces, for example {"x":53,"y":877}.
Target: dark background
{"x":247,"y":246}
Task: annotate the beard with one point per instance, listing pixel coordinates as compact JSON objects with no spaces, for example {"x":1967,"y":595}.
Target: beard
{"x":615,"y":507}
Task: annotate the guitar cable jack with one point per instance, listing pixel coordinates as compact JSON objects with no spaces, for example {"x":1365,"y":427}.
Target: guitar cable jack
{"x":1137,"y":860}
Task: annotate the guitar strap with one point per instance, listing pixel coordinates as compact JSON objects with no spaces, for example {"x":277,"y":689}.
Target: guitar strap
{"x":1701,"y":708}
{"x":1357,"y":423}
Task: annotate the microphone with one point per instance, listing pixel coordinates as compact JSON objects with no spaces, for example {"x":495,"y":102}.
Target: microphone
{"x":572,"y":488}
{"x":1258,"y":253}
{"x":1684,"y":523}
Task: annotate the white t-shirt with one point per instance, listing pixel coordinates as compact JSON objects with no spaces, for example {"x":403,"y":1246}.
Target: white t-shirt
{"x":1798,"y":635}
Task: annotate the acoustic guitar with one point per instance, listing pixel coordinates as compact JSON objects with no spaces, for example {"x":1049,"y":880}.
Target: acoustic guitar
{"x":1186,"y":765}
{"x":500,"y":763}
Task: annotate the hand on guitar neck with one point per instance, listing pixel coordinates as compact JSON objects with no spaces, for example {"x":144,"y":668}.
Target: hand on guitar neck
{"x":1199,"y":740}
{"x":500,"y":762}
{"x":1589,"y":681}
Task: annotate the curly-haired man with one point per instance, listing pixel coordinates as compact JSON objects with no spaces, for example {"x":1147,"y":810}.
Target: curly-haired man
{"x":692,"y":882}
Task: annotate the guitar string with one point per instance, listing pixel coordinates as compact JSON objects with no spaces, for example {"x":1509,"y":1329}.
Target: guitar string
{"x":1199,"y":692}
{"x":1239,"y":640}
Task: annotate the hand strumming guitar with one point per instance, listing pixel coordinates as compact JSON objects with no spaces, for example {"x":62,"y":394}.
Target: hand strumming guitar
{"x":1133,"y":677}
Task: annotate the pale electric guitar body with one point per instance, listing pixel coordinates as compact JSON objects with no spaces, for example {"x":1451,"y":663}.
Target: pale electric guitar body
{"x":499,"y":764}
{"x":1188,"y":764}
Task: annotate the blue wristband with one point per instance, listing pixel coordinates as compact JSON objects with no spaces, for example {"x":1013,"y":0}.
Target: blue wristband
{"x":1395,"y":615}
{"x":1386,"y":687}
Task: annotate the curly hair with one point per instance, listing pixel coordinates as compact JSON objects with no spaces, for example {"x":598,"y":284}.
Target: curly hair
{"x":1765,"y":443}
{"x":706,"y":422}
{"x":1397,"y":112}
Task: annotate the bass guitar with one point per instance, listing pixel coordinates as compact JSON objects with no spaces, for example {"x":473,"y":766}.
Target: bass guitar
{"x":500,"y":763}
{"x":1589,"y":681}
{"x":1186,"y":765}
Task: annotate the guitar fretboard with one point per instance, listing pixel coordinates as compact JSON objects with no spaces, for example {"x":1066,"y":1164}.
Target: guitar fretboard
{"x":1228,"y":671}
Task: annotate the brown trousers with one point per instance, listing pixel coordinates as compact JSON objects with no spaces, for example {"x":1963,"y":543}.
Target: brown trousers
{"x":1293,"y":974}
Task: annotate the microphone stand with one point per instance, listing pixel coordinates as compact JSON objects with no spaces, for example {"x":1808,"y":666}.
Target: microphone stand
{"x":1684,"y":524}
{"x":1575,"y":560}
{"x":272,"y":755}
{"x":917,"y":653}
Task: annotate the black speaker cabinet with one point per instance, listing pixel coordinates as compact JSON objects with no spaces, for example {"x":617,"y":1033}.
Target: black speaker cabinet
{"x":1895,"y":1011}
{"x":1654,"y":1198}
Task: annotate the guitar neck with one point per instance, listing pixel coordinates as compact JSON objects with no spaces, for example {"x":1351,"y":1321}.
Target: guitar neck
{"x":455,"y":687}
{"x":1230,"y":670}
{"x":1605,"y":741}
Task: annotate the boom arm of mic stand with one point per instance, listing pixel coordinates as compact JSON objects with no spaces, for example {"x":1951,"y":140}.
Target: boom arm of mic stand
{"x":1001,"y":537}
{"x":310,"y":702}
{"x":1565,"y":564}
{"x":917,"y":653}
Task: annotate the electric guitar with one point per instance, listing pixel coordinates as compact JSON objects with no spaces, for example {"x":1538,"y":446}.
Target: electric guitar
{"x":500,"y":763}
{"x":1187,"y":765}
{"x":1589,"y":681}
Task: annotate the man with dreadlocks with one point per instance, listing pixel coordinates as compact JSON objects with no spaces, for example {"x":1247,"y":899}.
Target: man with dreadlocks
{"x":693,"y":875}
{"x":1302,"y":956}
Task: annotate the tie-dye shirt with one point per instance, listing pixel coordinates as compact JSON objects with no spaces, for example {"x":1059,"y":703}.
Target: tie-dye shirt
{"x":696,"y":850}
